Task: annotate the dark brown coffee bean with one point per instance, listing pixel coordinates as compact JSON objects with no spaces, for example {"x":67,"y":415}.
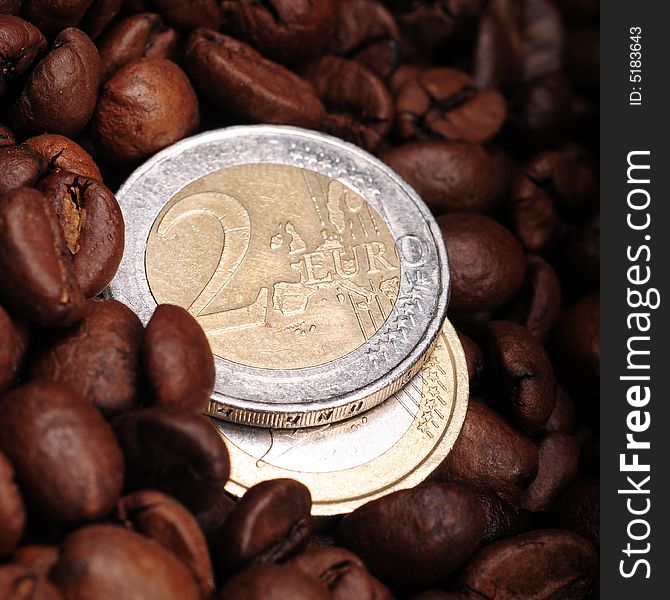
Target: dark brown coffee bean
{"x":92,"y":224}
{"x":487,"y":263}
{"x":176,"y":452}
{"x":38,"y":280}
{"x":562,"y":418}
{"x":449,"y":176}
{"x":60,"y":94}
{"x":241,"y":83}
{"x":6,"y":136}
{"x":538,"y":305}
{"x":416,"y":536}
{"x":578,"y":509}
{"x":273,"y":582}
{"x":144,"y":35}
{"x":270,"y":523}
{"x":191,"y":14}
{"x":52,"y":16}
{"x":178,"y":362}
{"x":98,"y":16}
{"x":18,"y":583}
{"x":360,"y":108}
{"x":12,"y":511}
{"x":577,"y":348}
{"x":103,"y":561}
{"x":20,"y":45}
{"x":534,"y":565}
{"x":63,"y":154}
{"x":13,"y":345}
{"x":67,"y":461}
{"x":37,"y":558}
{"x":558,"y":466}
{"x":491,"y":455}
{"x":169,"y":524}
{"x":525,"y":372}
{"x":19,"y":166}
{"x":343,"y":573}
{"x":99,"y":358}
{"x":502,"y":518}
{"x":211,"y":520}
{"x":474,"y":357}
{"x":147,"y":105}
{"x":11,"y":7}
{"x":445,"y":103}
{"x":282,"y":30}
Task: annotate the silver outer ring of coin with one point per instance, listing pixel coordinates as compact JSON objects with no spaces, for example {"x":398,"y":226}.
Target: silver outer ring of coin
{"x":347,"y":385}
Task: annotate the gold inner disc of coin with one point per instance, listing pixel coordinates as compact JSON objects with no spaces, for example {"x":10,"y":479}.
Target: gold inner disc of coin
{"x":284,"y":268}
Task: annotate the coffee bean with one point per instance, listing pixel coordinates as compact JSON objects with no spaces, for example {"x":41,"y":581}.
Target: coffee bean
{"x":211,"y":519}
{"x":20,"y":44}
{"x":416,"y":536}
{"x":273,"y":582}
{"x":67,"y":462}
{"x":445,"y":103}
{"x":282,"y":30}
{"x":52,"y":16}
{"x":146,"y":105}
{"x":189,"y":15}
{"x":343,"y":573}
{"x":98,"y":16}
{"x":10,"y":7}
{"x":38,"y":280}
{"x":99,"y":358}
{"x":14,"y":337}
{"x":449,"y":176}
{"x":243,"y":84}
{"x":487,"y":263}
{"x":143,"y":35}
{"x":12,"y":511}
{"x":103,"y":561}
{"x":176,"y":452}
{"x":37,"y":558}
{"x":60,"y":94}
{"x":18,"y":583}
{"x":92,"y":224}
{"x":474,"y":357}
{"x":6,"y":136}
{"x":503,"y":519}
{"x":491,"y":455}
{"x":63,"y":154}
{"x":360,"y":108}
{"x":178,"y":361}
{"x":578,"y":509}
{"x":562,"y":418}
{"x":169,"y":524}
{"x":269,"y":523}
{"x":19,"y":166}
{"x":524,"y":370}
{"x":537,"y":564}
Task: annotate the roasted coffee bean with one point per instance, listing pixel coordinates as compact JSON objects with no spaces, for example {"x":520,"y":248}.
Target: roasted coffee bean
{"x":18,"y":583}
{"x":525,"y":372}
{"x":12,"y":511}
{"x":445,"y":103}
{"x":37,"y":558}
{"x":189,"y":15}
{"x":360,"y":108}
{"x":502,"y":518}
{"x":63,"y":154}
{"x":474,"y":357}
{"x":52,"y":16}
{"x":138,"y":36}
{"x":577,"y":348}
{"x":10,"y":7}
{"x":168,"y":523}
{"x":92,"y":224}
{"x":20,"y":45}
{"x":273,"y":582}
{"x":67,"y":461}
{"x":38,"y":280}
{"x":14,"y":336}
{"x":176,"y":452}
{"x":578,"y":509}
{"x":19,"y":166}
{"x":243,"y":84}
{"x":562,"y":418}
{"x":211,"y":520}
{"x":60,"y":94}
{"x":178,"y":361}
{"x":103,"y":561}
{"x":416,"y":536}
{"x":98,"y":16}
{"x":487,"y":263}
{"x":269,"y":523}
{"x":99,"y":358}
{"x":343,"y":573}
{"x":543,"y":39}
{"x":491,"y":455}
{"x":449,"y":176}
{"x":146,"y":105}
{"x":539,"y":303}
{"x":282,"y":30}
{"x":6,"y":136}
{"x":534,"y":565}
{"x":558,"y":466}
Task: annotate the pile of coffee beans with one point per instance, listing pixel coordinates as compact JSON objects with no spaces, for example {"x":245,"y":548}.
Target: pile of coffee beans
{"x":111,"y":481}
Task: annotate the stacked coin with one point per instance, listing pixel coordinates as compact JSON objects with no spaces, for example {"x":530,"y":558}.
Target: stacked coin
{"x":321,"y":281}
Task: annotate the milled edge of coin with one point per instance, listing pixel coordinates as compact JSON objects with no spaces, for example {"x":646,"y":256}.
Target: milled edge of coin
{"x":254,"y":411}
{"x":357,"y":491}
